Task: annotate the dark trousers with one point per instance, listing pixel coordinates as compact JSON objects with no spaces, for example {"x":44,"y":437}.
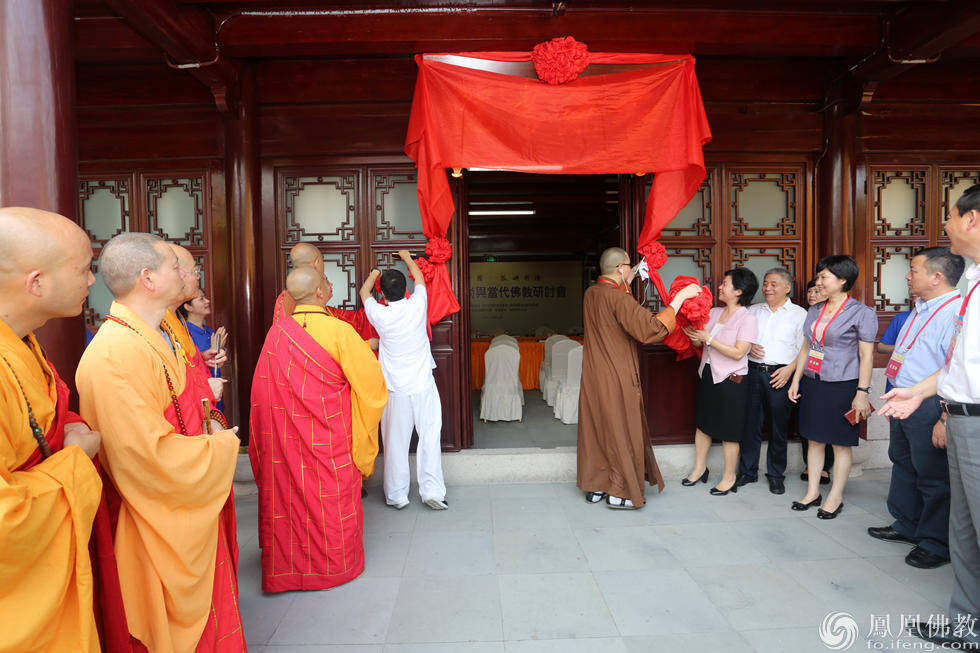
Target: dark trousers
{"x":765,"y":403}
{"x":918,"y":497}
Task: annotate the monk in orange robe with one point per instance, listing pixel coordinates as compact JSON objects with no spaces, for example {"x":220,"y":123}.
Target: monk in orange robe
{"x":198,"y":363}
{"x":306,"y":254}
{"x":50,"y":489}
{"x":172,"y":468}
{"x":317,"y":397}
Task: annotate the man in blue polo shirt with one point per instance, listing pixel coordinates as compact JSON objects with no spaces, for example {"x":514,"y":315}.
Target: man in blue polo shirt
{"x":919,"y":495}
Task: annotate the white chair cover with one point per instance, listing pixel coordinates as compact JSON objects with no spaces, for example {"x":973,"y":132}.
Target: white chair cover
{"x":502,"y":398}
{"x":566,"y":400}
{"x":559,"y":362}
{"x":505,"y":339}
{"x":544,"y":373}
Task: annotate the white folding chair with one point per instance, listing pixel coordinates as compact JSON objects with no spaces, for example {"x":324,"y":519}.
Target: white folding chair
{"x":559,"y":362}
{"x":502,"y":397}
{"x":566,"y":400}
{"x":544,"y":373}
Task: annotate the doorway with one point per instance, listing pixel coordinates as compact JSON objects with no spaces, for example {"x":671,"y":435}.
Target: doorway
{"x":534,"y":243}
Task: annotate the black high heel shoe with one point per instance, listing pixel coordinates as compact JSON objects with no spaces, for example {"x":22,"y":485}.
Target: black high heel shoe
{"x":720,"y":493}
{"x":806,"y":506}
{"x":702,"y":479}
{"x":823,"y":514}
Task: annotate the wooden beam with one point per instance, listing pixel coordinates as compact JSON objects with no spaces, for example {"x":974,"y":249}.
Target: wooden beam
{"x":918,"y":35}
{"x":187,"y":37}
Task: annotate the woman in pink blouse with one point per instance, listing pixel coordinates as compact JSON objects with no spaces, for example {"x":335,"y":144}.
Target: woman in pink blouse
{"x":722,"y":394}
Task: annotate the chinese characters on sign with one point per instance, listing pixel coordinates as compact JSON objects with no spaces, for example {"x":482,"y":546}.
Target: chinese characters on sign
{"x":519,"y":297}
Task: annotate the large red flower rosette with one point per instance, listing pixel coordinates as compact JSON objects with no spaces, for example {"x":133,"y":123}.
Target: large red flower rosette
{"x":559,"y":60}
{"x":694,"y":312}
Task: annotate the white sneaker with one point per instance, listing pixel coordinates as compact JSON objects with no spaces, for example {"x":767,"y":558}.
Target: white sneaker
{"x":400,"y":505}
{"x":435,"y":504}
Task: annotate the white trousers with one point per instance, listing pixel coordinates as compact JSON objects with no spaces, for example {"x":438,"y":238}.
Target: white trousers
{"x":423,"y":412}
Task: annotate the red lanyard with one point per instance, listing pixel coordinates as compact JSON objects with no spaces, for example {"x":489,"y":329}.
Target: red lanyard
{"x":966,"y":302}
{"x":614,"y":285}
{"x":823,"y":338}
{"x":914,"y":317}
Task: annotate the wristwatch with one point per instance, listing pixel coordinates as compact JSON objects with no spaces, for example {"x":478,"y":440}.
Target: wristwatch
{"x":707,"y":343}
{"x":868,"y":389}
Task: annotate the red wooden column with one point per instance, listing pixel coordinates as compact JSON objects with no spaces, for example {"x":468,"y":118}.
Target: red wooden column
{"x":244,"y":219}
{"x":38,"y":150}
{"x":836,"y":182}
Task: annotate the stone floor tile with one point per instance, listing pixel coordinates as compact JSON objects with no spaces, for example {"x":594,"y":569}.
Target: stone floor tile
{"x":660,"y":601}
{"x":450,"y":553}
{"x":791,"y":539}
{"x":524,"y":514}
{"x":723,"y":640}
{"x":621,"y":548}
{"x":340,"y":615}
{"x":538,"y":552}
{"x":705,"y":545}
{"x":444,"y":609}
{"x":553,"y":606}
{"x":587,"y":645}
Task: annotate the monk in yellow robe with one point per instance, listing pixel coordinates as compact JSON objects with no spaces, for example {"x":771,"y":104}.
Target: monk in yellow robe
{"x":306,"y":254}
{"x":171,"y":467}
{"x":50,"y":490}
{"x":317,"y":398}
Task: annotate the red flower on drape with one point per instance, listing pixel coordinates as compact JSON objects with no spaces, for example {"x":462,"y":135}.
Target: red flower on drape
{"x":438,"y":250}
{"x":559,"y":60}
{"x":695,"y":310}
{"x":426,"y":268}
{"x":655,"y":254}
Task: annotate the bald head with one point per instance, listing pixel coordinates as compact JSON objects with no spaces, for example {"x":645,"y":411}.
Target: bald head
{"x":32,"y":238}
{"x":192,"y":278}
{"x":611,"y":259}
{"x":126,"y":256}
{"x":306,"y":254}
{"x":303,"y":283}
{"x":45,"y":267}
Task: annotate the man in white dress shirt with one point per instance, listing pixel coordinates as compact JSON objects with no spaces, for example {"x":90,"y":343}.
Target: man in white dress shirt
{"x":958,"y":386}
{"x":413,"y":399}
{"x":772,"y":361}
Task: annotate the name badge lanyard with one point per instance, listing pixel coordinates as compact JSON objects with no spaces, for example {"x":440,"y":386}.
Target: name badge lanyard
{"x":959,"y":326}
{"x":814,"y":360}
{"x":898,"y":356}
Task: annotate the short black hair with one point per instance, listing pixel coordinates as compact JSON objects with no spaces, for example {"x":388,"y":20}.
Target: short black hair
{"x":184,"y":313}
{"x":745,"y":280}
{"x":940,"y":259}
{"x":393,"y":285}
{"x":969,"y":200}
{"x":841,"y":266}
{"x":812,"y":283}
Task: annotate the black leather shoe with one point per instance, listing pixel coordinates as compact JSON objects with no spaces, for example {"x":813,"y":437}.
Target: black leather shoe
{"x":919,"y":557}
{"x":888,"y":534}
{"x":720,"y":493}
{"x":941,"y":635}
{"x":703,"y":479}
{"x":806,"y":506}
{"x":744,"y":479}
{"x":776,"y":486}
{"x":823,"y":514}
{"x":824,"y":480}
{"x":804,"y":476}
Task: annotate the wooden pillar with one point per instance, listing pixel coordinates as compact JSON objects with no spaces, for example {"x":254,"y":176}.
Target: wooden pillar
{"x":38,"y":148}
{"x":835,"y":182}
{"x":244,"y":219}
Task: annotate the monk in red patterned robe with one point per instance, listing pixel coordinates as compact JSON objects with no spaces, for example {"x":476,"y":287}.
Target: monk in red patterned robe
{"x":317,"y":398}
{"x":306,"y":254}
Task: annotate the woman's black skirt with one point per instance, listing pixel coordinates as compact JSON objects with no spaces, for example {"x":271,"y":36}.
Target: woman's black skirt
{"x":721,"y":407}
{"x":822,"y":408}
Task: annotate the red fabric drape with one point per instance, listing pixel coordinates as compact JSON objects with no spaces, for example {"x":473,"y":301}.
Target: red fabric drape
{"x":649,"y":120}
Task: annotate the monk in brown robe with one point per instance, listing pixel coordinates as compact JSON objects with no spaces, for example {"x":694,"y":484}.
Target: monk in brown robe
{"x":614,"y":451}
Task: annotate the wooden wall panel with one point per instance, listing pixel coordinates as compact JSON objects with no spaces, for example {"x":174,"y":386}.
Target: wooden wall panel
{"x":342,"y":130}
{"x":336,"y":80}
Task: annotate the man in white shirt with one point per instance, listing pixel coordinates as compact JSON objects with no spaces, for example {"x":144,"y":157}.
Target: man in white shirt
{"x":958,"y":386}
{"x":772,"y":361}
{"x":413,"y":399}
